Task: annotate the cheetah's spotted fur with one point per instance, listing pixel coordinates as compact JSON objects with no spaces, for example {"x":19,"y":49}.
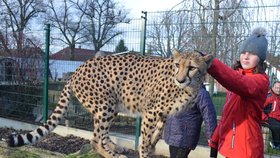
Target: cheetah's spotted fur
{"x":155,"y":87}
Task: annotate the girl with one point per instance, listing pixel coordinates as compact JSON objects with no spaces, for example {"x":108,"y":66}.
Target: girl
{"x":238,"y":134}
{"x":272,"y":104}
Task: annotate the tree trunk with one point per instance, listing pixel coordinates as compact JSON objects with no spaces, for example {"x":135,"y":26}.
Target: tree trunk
{"x":214,"y":37}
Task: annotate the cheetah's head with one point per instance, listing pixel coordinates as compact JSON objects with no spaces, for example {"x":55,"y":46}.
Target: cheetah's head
{"x":190,"y":68}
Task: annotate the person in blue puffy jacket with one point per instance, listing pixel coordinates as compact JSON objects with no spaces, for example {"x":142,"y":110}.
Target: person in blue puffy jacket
{"x":182,"y":131}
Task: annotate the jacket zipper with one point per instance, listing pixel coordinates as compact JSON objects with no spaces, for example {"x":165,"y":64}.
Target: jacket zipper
{"x":274,"y":106}
{"x":233,"y":136}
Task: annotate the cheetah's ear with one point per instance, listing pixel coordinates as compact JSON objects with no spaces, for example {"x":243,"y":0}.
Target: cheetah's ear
{"x":208,"y":59}
{"x":176,"y":53}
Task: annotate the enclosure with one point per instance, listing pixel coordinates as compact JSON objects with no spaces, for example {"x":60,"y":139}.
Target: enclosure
{"x":36,"y":63}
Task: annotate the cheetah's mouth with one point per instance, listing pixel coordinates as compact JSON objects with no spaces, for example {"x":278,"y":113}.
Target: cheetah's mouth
{"x":183,"y":84}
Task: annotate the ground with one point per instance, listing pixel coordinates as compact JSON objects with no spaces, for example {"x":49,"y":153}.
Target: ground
{"x":52,"y":146}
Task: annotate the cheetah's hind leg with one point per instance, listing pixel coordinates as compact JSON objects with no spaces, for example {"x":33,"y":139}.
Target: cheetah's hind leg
{"x":118,"y":149}
{"x":103,"y":143}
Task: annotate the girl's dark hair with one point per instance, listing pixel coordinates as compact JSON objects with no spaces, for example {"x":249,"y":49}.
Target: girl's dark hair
{"x":260,"y":68}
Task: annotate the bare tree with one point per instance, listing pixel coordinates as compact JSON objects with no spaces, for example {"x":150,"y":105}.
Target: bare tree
{"x":16,"y":16}
{"x":67,"y":17}
{"x":189,"y":28}
{"x":274,"y":56}
{"x":203,"y":26}
{"x":171,"y":33}
{"x":102,"y":18}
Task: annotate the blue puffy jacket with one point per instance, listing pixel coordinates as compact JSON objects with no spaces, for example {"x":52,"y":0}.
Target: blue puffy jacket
{"x":183,"y":129}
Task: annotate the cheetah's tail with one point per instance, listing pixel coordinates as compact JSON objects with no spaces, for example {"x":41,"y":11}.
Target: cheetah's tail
{"x":16,"y":140}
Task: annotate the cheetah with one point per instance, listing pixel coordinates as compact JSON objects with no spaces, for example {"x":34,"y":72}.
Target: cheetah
{"x":154,"y":87}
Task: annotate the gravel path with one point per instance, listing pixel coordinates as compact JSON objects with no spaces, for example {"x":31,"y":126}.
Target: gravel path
{"x":53,"y":142}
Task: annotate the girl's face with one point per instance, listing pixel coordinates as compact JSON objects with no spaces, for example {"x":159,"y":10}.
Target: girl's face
{"x":249,"y":60}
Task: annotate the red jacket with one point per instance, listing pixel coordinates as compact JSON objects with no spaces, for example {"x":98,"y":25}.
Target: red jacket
{"x":238,"y":134}
{"x":273,"y":100}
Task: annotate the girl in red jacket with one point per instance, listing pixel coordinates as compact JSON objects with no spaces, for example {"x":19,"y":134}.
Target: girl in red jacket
{"x":239,"y":134}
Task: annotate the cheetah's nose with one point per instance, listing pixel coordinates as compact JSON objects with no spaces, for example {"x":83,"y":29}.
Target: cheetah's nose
{"x":181,"y":81}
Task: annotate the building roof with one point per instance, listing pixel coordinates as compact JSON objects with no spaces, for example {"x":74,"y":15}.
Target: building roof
{"x":79,"y":54}
{"x":27,"y":52}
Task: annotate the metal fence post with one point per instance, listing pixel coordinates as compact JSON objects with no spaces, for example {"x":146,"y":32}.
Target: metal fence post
{"x":143,"y":33}
{"x":46,"y":82}
{"x":138,"y":131}
{"x":142,"y":50}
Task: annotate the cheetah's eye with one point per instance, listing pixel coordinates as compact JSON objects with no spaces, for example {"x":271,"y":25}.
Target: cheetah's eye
{"x":191,"y":68}
{"x":177,"y":65}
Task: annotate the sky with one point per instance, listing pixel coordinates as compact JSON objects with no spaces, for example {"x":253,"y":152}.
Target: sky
{"x":136,"y":6}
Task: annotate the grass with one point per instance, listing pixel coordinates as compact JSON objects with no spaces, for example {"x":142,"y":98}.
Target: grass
{"x":271,"y":151}
{"x":86,"y":155}
{"x":23,"y":154}
{"x":85,"y":152}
